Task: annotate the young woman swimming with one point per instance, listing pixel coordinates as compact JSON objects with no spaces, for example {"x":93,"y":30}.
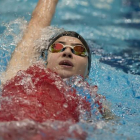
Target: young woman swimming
{"x":33,"y":92}
{"x":68,"y":52}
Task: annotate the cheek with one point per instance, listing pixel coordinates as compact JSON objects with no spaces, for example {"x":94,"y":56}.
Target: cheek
{"x":82,"y":64}
{"x":51,"y":59}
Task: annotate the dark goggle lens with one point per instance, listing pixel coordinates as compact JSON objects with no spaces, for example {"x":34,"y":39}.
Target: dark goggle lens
{"x":78,"y":50}
{"x":56,"y":48}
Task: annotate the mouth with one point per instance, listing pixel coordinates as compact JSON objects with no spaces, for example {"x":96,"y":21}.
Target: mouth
{"x":66,"y":63}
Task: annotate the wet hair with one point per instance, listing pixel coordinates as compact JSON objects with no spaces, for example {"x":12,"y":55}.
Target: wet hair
{"x":71,"y":34}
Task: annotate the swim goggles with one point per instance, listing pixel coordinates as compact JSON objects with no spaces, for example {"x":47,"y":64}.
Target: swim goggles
{"x":79,"y":50}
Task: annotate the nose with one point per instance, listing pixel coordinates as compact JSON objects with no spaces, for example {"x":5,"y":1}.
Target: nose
{"x":67,"y":53}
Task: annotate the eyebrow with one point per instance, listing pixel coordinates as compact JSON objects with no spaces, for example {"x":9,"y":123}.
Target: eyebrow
{"x":61,"y":42}
{"x":73,"y":44}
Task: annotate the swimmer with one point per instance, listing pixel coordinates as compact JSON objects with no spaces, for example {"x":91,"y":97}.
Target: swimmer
{"x":68,"y":53}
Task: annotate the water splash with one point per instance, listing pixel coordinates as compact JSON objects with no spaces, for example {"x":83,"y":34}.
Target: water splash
{"x":47,"y":34}
{"x":9,"y":39}
{"x":30,"y":130}
{"x":36,"y":94}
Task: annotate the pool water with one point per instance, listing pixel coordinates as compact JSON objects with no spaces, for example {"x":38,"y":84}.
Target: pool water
{"x":112,"y":30}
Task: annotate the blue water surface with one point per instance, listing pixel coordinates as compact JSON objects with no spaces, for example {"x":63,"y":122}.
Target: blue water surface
{"x":112,"y":30}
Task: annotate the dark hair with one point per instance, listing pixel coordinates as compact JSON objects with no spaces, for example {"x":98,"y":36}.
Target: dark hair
{"x":72,"y":34}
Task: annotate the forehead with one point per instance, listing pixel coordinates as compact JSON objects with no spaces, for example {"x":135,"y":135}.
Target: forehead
{"x":69,"y":40}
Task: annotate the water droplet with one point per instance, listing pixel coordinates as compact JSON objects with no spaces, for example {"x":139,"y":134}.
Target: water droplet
{"x":65,"y":105}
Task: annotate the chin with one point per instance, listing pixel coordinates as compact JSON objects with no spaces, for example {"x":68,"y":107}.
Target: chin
{"x":65,"y":75}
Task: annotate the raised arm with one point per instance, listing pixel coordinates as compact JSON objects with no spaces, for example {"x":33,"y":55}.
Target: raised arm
{"x":24,"y":52}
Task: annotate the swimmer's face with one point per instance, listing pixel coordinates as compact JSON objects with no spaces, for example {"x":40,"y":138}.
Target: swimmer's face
{"x":65,"y":63}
